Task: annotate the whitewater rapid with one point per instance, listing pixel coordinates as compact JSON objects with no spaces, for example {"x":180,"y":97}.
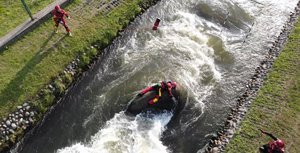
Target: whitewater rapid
{"x":209,"y":47}
{"x":126,"y":134}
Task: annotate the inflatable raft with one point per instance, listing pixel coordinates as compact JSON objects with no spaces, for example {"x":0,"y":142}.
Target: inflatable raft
{"x":140,"y":104}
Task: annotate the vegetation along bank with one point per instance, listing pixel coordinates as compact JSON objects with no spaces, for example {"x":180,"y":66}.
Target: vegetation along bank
{"x":271,"y":100}
{"x":39,"y":68}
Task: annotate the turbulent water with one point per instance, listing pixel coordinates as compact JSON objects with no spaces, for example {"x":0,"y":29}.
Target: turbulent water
{"x":210,"y":47}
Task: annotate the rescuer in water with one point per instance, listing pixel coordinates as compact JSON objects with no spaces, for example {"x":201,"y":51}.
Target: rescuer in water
{"x":159,"y":87}
{"x":58,"y":17}
{"x":156,"y":24}
{"x":274,"y":146}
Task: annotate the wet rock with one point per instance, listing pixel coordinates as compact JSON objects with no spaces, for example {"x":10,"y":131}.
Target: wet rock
{"x":225,"y":140}
{"x":31,"y":114}
{"x":25,"y":104}
{"x":230,"y":132}
{"x":219,"y":133}
{"x":50,"y":86}
{"x":233,"y":109}
{"x":233,"y":124}
{"x":13,"y":125}
{"x":215,"y":150}
{"x":8,"y":123}
{"x":27,"y":107}
{"x":242,"y":110}
{"x":217,"y":142}
{"x":30,"y":120}
{"x":11,"y":131}
{"x":21,"y":120}
{"x":208,"y":149}
{"x":228,"y":122}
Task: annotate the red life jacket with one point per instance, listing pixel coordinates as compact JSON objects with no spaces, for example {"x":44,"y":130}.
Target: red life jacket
{"x":59,"y":14}
{"x":276,"y":146}
{"x":156,"y":24}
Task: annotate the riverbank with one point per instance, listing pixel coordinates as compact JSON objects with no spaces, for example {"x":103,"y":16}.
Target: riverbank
{"x":271,"y":98}
{"x":36,"y":74}
{"x":276,"y":109}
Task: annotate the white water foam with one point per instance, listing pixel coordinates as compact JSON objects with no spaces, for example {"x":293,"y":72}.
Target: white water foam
{"x":124,"y":134}
{"x":180,"y":50}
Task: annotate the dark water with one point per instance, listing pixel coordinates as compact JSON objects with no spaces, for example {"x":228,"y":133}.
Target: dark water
{"x":209,"y":47}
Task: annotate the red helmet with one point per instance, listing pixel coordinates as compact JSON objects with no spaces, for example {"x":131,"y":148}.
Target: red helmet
{"x":174,"y":84}
{"x":57,"y":8}
{"x":280,"y":144}
{"x":171,"y":84}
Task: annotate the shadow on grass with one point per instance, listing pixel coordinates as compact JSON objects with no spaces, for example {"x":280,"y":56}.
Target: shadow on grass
{"x":15,"y":88}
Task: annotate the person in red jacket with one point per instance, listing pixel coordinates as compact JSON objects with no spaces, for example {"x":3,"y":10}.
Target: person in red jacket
{"x":274,"y":146}
{"x":159,"y":87}
{"x":156,"y":24}
{"x":58,"y":17}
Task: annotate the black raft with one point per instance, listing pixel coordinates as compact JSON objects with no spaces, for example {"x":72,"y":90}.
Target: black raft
{"x":140,"y":104}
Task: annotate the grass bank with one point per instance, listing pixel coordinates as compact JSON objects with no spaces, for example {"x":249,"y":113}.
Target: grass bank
{"x":12,"y":13}
{"x":33,"y":68}
{"x":276,"y":108}
{"x":33,"y":61}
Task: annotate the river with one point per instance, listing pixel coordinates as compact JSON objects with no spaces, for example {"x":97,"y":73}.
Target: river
{"x":210,"y":47}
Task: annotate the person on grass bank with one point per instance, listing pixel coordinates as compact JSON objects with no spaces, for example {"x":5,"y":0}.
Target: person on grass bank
{"x":274,"y":146}
{"x":58,"y":17}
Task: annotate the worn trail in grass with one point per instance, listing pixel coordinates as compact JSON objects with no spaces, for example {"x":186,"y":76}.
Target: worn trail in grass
{"x":277,"y":106}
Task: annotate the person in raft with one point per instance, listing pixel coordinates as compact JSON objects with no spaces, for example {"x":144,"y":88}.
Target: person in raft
{"x":58,"y":17}
{"x":159,"y":87}
{"x":274,"y":146}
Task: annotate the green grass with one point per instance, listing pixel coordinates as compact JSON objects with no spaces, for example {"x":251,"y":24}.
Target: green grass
{"x":39,"y":58}
{"x":277,"y":107}
{"x":29,"y":64}
{"x":13,"y":13}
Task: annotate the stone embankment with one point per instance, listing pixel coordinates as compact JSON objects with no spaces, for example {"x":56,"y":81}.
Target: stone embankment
{"x":232,"y":124}
{"x":26,"y":116}
{"x":22,"y":118}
